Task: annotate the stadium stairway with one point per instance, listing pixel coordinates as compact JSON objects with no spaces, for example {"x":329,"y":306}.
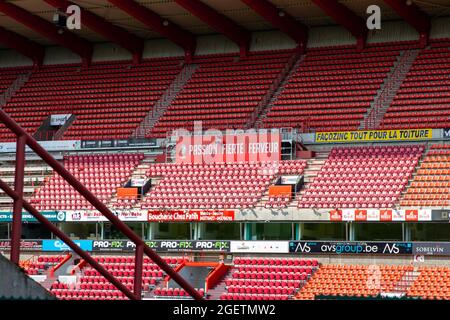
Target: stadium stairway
{"x":389,"y":89}
{"x":36,"y":173}
{"x":414,"y":174}
{"x":275,"y":89}
{"x":407,"y":281}
{"x":311,"y":171}
{"x":13,"y":88}
{"x":165,"y":101}
{"x":139,"y":172}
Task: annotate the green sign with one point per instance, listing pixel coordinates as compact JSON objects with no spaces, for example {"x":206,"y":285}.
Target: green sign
{"x":6,"y":216}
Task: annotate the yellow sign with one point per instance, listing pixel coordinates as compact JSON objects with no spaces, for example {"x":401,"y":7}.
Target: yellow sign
{"x":374,"y":135}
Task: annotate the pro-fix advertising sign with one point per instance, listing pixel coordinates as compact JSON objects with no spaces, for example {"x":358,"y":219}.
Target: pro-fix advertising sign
{"x":264,"y":145}
{"x":190,"y":215}
{"x":26,"y":217}
{"x":161,"y":245}
{"x":374,"y":135}
{"x":381,"y":215}
{"x":336,"y":247}
{"x":25,"y":245}
{"x":95,"y":216}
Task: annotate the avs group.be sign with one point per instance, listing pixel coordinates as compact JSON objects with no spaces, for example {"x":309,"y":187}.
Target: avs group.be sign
{"x":447,"y":133}
{"x":337,"y":247}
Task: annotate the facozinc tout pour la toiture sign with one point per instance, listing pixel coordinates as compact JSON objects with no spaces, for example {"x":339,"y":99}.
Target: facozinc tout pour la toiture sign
{"x":374,"y":135}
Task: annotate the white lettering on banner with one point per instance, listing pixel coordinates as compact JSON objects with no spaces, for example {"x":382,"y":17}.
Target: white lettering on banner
{"x":95,"y":216}
{"x":380,"y":215}
{"x":60,"y":145}
{"x":59,"y":119}
{"x":230,"y":147}
{"x":260,"y":246}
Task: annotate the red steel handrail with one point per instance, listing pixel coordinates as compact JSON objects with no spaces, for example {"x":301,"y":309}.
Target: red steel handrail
{"x":23,"y":139}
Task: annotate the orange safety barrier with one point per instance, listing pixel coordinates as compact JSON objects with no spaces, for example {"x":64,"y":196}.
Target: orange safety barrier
{"x":128,"y":193}
{"x":280,"y":190}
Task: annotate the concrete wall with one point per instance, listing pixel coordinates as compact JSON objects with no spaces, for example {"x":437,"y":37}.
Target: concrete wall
{"x":216,"y":44}
{"x":15,"y":284}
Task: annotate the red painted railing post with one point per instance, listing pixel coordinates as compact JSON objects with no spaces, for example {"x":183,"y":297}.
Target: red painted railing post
{"x":18,"y":203}
{"x":138,"y":265}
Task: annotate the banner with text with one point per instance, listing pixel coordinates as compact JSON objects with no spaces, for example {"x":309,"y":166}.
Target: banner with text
{"x":431,"y":248}
{"x":446,"y":133}
{"x":26,"y":217}
{"x":190,"y":215}
{"x":58,"y":245}
{"x":381,"y":215}
{"x":262,"y":146}
{"x":161,"y":245}
{"x":336,"y":247}
{"x":25,"y":245}
{"x":374,"y":135}
{"x":57,"y":145}
{"x":95,"y":216}
{"x":259,"y":247}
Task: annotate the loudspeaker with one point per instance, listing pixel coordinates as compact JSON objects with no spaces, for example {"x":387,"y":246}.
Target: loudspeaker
{"x":59,"y":20}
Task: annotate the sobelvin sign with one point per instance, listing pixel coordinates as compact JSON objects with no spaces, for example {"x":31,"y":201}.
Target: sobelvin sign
{"x":335,"y":247}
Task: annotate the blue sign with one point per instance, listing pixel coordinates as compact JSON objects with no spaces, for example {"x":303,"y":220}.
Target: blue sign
{"x":27,"y":217}
{"x":58,"y":245}
{"x":447,"y":133}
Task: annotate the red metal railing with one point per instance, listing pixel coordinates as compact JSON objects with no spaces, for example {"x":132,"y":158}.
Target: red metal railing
{"x":23,"y":139}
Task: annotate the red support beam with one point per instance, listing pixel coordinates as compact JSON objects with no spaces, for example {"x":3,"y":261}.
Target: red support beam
{"x":23,"y":45}
{"x":101,"y":207}
{"x":113,"y":33}
{"x":16,"y":233}
{"x":412,"y":14}
{"x":138,"y":265}
{"x":66,"y":39}
{"x":219,"y":22}
{"x":346,"y":18}
{"x":171,"y":31}
{"x":281,"y":20}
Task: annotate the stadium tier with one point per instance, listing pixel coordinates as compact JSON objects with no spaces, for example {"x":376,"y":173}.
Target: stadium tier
{"x":424,"y":97}
{"x":251,"y":278}
{"x":102,"y":174}
{"x":431,"y":185}
{"x":109,"y":99}
{"x":365,"y":177}
{"x":333,"y":88}
{"x":327,"y":89}
{"x":224,"y":92}
{"x":222,"y":185}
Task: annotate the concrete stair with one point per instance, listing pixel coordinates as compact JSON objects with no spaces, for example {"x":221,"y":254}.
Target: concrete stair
{"x":284,"y":78}
{"x":388,"y":90}
{"x":216,"y":292}
{"x":312,"y":169}
{"x":165,"y":101}
{"x":406,"y":281}
{"x":13,"y":88}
